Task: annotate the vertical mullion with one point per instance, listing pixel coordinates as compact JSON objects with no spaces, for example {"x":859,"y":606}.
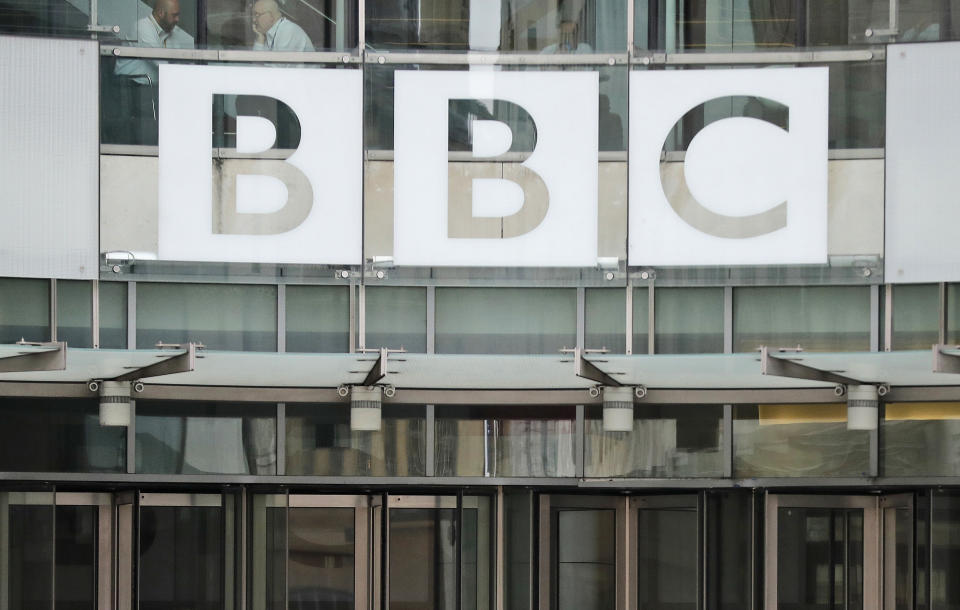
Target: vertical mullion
{"x":53,"y":549}
{"x":728,"y":319}
{"x":281,"y":318}
{"x":431,"y":442}
{"x":431,"y":319}
{"x":651,"y":320}
{"x":362,"y":317}
{"x":888,"y":318}
{"x":581,"y":315}
{"x":459,"y":550}
{"x":53,"y":310}
{"x":579,"y":443}
{"x":728,"y":441}
{"x":628,"y":345}
{"x":353,"y":319}
{"x":281,"y":438}
{"x":875,"y":318}
{"x":942,"y":318}
{"x":95,"y":313}
{"x":132,"y":439}
{"x":131,"y":315}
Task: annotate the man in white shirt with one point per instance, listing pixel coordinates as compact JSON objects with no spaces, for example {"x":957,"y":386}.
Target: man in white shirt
{"x":274,"y":32}
{"x":159,"y":29}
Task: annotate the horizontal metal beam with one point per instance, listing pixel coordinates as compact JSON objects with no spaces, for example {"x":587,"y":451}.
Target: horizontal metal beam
{"x":51,"y":357}
{"x":784,"y":367}
{"x":945,"y":362}
{"x":183,"y":362}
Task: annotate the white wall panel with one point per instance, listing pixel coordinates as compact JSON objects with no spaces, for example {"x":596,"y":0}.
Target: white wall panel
{"x":923,"y":155}
{"x":48,"y":158}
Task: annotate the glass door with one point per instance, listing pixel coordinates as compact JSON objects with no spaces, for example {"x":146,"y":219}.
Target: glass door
{"x":56,"y":551}
{"x":582,"y":552}
{"x":666,"y":545}
{"x":438,"y":549}
{"x":310,"y":552}
{"x":833,"y":552}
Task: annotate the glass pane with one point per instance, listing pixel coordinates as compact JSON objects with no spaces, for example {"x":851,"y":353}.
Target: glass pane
{"x":688,"y":320}
{"x":268,"y":560}
{"x":206,"y":438}
{"x":730,"y":547}
{"x":320,"y":568}
{"x":24,"y":310}
{"x":422,"y":559}
{"x":818,"y":318}
{"x":921,"y":439}
{"x":916,"y":310}
{"x":546,"y":26}
{"x":505,"y":320}
{"x":221,"y":316}
{"x":75,"y":313}
{"x":667,"y":558}
{"x":320,"y":442}
{"x":476,"y":578}
{"x":181,"y":558}
{"x":113,"y":315}
{"x":953,"y":313}
{"x":76,"y":557}
{"x":518,"y":540}
{"x":641,"y":320}
{"x":309,"y":25}
{"x":898,"y":552}
{"x":28,"y":529}
{"x":945,"y":551}
{"x":318,"y":319}
{"x":58,"y":435}
{"x":796,"y":441}
{"x":665,"y":442}
{"x":56,"y":18}
{"x":586,"y":560}
{"x":605,"y":319}
{"x":515,"y":441}
{"x":396,"y":318}
{"x":820,"y":558}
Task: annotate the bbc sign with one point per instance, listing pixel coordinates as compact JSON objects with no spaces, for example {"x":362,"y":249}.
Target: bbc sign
{"x":752,"y":188}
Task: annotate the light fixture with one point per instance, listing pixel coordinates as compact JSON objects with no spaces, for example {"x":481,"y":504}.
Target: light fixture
{"x":863,"y":403}
{"x":365,"y":406}
{"x":618,"y":408}
{"x":114,"y":403}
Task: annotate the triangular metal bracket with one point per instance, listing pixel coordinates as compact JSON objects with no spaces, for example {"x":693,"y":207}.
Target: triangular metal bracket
{"x":785,"y":367}
{"x":52,"y":358}
{"x":184,"y":362}
{"x":944,"y":361}
{"x":588,"y":370}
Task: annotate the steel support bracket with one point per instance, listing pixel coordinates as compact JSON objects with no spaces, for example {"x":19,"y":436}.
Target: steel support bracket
{"x":588,"y":370}
{"x":785,"y":367}
{"x":184,"y":362}
{"x":379,"y":369}
{"x":52,"y":358}
{"x":944,"y":361}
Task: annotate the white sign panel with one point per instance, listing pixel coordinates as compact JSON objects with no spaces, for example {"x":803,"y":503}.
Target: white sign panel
{"x":49,"y":158}
{"x":751,"y":191}
{"x":538,"y":212}
{"x":923,"y":154}
{"x":305,"y":209}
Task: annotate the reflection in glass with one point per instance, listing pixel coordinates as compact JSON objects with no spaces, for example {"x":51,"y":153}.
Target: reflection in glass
{"x":667,"y":558}
{"x":328,"y":25}
{"x":820,"y":561}
{"x":945,"y":550}
{"x":605,"y":319}
{"x":665,"y":442}
{"x":641,"y":321}
{"x":28,"y":525}
{"x":221,"y":316}
{"x":396,"y":317}
{"x":24,"y":310}
{"x":518,"y":540}
{"x":422,"y":559}
{"x":320,"y":442}
{"x":75,"y":313}
{"x":181,"y":557}
{"x":729,"y":548}
{"x":113,"y":315}
{"x":76,"y":558}
{"x":688,"y":320}
{"x":916,"y":312}
{"x":921,"y":439}
{"x":515,"y":441}
{"x":318,"y":318}
{"x":796,"y":441}
{"x":585,"y":568}
{"x":206,"y":438}
{"x":548,"y":26}
{"x":505,"y":320}
{"x":58,"y":435}
{"x":320,"y":568}
{"x":898,"y":556}
{"x":818,"y":318}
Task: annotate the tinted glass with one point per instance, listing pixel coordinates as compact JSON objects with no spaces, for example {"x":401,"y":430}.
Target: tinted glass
{"x":318,"y":318}
{"x":606,"y":319}
{"x":396,"y":317}
{"x":920,"y":439}
{"x":916,"y":311}
{"x":24,"y":310}
{"x":113,"y":315}
{"x":75,"y":313}
{"x":688,"y":320}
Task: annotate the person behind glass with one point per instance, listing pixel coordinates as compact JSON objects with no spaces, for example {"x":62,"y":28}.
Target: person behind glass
{"x":158,"y":30}
{"x":274,"y":32}
{"x":569,"y":40}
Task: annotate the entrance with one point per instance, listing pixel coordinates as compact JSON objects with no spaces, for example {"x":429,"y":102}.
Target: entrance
{"x":839,"y":552}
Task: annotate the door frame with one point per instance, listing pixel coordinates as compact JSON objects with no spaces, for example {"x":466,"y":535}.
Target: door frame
{"x":872,"y":565}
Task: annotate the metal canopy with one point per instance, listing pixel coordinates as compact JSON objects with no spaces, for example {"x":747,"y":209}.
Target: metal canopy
{"x":34,"y":357}
{"x":508,"y":372}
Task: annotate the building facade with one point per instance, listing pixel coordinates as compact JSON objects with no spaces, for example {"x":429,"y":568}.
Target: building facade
{"x":486,"y":305}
